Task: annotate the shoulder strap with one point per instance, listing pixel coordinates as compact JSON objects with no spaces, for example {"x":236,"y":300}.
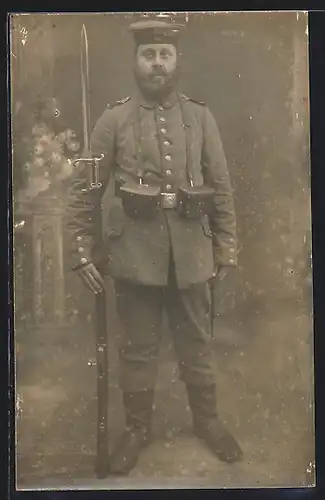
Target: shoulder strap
{"x":118,"y":103}
{"x":201,"y":103}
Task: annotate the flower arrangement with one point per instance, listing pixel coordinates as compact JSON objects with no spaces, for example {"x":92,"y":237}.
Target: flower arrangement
{"x":50,"y":158}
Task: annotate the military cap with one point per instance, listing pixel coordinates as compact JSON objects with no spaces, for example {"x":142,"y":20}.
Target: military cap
{"x":155,"y":32}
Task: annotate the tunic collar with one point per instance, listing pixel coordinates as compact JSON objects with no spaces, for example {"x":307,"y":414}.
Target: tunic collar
{"x":168,"y":102}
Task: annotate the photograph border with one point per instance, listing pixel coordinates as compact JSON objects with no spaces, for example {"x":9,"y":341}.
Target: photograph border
{"x":317,"y":102}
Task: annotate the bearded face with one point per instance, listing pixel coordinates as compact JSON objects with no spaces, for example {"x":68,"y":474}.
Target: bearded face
{"x":156,"y":69}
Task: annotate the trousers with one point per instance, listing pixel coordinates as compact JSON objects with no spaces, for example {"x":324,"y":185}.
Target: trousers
{"x":140,"y":310}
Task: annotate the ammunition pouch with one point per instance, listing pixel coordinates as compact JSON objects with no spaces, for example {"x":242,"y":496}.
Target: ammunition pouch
{"x":195,"y":201}
{"x":139,"y":200}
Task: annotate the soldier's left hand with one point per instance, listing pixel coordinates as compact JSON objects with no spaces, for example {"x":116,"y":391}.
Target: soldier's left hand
{"x":220,"y":272}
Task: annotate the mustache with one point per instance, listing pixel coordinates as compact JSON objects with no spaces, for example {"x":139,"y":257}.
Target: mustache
{"x":158,"y":72}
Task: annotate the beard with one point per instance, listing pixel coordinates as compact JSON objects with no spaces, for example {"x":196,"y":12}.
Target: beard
{"x":157,"y":84}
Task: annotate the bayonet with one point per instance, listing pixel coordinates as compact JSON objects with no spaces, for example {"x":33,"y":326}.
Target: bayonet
{"x":91,"y":161}
{"x":84,"y":65}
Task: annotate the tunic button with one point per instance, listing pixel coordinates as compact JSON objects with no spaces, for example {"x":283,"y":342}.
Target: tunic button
{"x":166,"y":144}
{"x":79,"y":238}
{"x":168,"y":157}
{"x":81,"y":249}
{"x":162,"y":119}
{"x":168,"y":187}
{"x":83,"y":260}
{"x":160,"y":108}
{"x":168,"y":172}
{"x":164,"y":130}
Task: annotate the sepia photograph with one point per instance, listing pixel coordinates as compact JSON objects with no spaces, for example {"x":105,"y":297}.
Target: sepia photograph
{"x":162,"y":250}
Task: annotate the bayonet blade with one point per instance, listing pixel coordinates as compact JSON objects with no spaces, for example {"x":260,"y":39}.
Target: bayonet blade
{"x":85,"y":91}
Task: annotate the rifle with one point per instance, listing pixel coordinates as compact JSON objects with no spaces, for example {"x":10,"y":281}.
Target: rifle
{"x":101,"y":466}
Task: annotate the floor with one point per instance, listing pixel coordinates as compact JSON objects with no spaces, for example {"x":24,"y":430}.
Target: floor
{"x":264,"y":374}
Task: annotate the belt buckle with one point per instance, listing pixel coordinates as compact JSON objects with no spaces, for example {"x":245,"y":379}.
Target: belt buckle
{"x":168,"y":200}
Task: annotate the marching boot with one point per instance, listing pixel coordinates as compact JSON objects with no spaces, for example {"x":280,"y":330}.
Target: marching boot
{"x":138,"y":410}
{"x":207,"y":425}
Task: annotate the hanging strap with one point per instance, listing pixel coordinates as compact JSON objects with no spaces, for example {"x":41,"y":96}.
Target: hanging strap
{"x":188,"y":139}
{"x":138,"y":141}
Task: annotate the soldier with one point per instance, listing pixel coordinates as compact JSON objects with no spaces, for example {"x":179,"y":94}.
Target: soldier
{"x":170,"y":227}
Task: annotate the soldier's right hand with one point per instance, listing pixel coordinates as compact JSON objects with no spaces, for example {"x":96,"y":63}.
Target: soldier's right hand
{"x":91,"y":278}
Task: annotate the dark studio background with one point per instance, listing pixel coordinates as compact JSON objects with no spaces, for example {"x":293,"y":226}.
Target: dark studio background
{"x":251,"y":69}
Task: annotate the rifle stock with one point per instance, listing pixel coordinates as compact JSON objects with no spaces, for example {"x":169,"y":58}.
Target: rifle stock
{"x":101,"y":467}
